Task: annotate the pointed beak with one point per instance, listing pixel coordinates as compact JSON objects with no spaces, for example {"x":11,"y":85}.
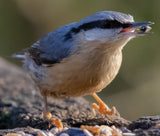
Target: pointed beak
{"x":138,"y":27}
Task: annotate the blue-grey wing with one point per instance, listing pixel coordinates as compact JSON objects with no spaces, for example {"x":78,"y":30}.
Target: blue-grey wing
{"x":53,"y":47}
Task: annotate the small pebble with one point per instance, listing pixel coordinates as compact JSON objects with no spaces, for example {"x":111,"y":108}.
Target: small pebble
{"x":64,"y":134}
{"x":126,"y":130}
{"x":158,"y":125}
{"x":13,"y":134}
{"x":54,"y":130}
{"x":27,"y":117}
{"x":41,"y":133}
{"x":28,"y":135}
{"x":116,"y":132}
{"x":21,"y":132}
{"x":49,"y":133}
{"x":87,"y":133}
{"x":60,"y":129}
{"x":106,"y":130}
{"x":65,"y":128}
{"x":128,"y":134}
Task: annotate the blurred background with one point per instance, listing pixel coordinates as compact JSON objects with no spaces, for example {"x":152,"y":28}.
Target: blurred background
{"x":136,"y":90}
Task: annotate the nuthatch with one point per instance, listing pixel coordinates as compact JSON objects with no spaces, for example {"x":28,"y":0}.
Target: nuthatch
{"x":81,"y":58}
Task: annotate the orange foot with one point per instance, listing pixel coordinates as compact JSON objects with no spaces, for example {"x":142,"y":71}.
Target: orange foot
{"x":53,"y":120}
{"x":103,"y":108}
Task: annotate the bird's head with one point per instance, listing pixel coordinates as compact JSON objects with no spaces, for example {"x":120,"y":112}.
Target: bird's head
{"x":110,"y":27}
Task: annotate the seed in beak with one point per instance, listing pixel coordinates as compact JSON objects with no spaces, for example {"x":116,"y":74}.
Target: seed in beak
{"x":145,"y":28}
{"x":139,"y":27}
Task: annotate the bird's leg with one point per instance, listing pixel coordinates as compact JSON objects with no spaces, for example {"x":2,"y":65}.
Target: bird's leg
{"x":53,"y":120}
{"x":103,"y":108}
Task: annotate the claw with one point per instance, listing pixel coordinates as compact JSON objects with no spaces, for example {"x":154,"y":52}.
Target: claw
{"x":103,"y":108}
{"x":53,"y":120}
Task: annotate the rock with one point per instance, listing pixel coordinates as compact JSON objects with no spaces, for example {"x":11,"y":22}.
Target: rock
{"x":21,"y":104}
{"x":21,"y":108}
{"x":148,"y":125}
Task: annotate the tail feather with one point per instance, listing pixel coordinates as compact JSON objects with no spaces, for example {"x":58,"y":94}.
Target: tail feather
{"x":20,"y":56}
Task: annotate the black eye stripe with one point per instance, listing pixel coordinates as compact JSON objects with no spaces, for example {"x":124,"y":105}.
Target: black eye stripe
{"x":103,"y":24}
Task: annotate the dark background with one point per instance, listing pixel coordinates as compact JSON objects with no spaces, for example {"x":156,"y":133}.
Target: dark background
{"x":135,"y":91}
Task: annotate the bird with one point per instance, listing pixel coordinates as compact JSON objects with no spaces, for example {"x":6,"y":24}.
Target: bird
{"x":81,"y":58}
